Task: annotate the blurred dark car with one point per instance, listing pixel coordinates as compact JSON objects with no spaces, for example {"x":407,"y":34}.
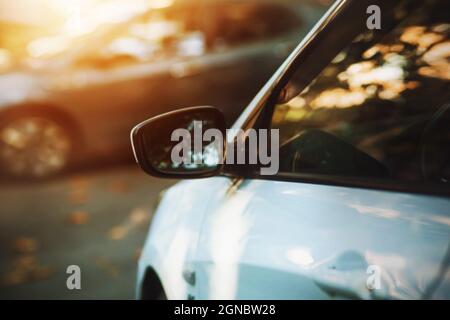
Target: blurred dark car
{"x":57,"y":112}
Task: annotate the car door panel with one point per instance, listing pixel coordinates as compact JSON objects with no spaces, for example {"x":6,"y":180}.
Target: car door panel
{"x":272,"y":240}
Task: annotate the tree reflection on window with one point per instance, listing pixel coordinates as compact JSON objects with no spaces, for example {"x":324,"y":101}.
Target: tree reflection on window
{"x":380,"y":97}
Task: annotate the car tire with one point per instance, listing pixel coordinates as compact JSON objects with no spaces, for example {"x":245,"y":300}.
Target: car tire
{"x":34,"y":145}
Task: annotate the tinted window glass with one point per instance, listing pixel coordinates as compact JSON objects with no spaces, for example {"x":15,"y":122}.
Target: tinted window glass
{"x":378,"y":109}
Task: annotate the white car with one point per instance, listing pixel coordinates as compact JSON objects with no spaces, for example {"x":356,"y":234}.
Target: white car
{"x":360,"y":205}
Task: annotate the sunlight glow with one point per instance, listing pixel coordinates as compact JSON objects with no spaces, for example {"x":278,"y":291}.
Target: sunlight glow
{"x":300,"y":256}
{"x":83,"y":17}
{"x":5,"y":59}
{"x":229,"y":234}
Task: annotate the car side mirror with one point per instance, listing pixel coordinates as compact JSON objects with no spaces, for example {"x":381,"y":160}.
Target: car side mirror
{"x":187,"y":143}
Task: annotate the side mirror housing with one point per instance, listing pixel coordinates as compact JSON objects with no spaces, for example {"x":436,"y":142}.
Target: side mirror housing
{"x":183,"y":144}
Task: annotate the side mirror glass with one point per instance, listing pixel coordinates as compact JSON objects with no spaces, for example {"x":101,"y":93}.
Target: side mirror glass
{"x":187,"y":143}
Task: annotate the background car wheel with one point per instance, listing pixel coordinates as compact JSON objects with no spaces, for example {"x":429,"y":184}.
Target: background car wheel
{"x":34,"y":146}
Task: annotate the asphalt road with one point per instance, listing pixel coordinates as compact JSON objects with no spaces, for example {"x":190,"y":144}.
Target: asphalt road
{"x":97,"y":220}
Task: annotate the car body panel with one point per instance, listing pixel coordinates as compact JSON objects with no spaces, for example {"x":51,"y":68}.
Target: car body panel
{"x":277,"y":240}
{"x":173,"y":238}
{"x":283,"y":240}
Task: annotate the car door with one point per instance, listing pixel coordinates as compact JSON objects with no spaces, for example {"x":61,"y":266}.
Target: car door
{"x":360,"y":206}
{"x":286,"y":240}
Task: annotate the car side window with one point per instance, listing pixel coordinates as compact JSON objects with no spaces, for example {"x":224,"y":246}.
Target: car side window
{"x":378,"y":110}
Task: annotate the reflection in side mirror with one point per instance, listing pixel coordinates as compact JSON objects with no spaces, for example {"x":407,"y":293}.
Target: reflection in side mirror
{"x":187,"y":143}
